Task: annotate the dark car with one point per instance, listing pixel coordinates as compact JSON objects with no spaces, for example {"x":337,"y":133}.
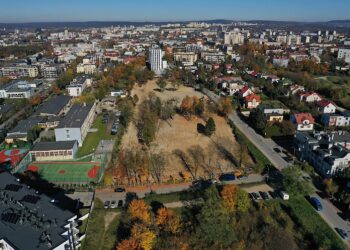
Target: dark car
{"x":119,"y":190}
{"x":316,"y":203}
{"x":342,"y":233}
{"x":277,"y":150}
{"x":227,"y":177}
{"x":264,"y":195}
{"x":120,"y":203}
{"x":107,"y":203}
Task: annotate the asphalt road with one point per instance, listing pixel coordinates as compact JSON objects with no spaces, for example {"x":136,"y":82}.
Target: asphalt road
{"x":329,"y":212}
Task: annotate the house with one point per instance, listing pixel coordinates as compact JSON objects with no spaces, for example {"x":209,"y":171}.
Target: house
{"x":76,"y":123}
{"x":245,"y":91}
{"x":118,"y":93}
{"x":336,"y":120}
{"x":326,"y":107}
{"x":54,"y":151}
{"x":328,"y":152}
{"x":309,"y":97}
{"x":252,"y":101}
{"x":280,"y":61}
{"x":302,"y":121}
{"x":295,"y":88}
{"x":274,"y":117}
{"x":32,"y":220}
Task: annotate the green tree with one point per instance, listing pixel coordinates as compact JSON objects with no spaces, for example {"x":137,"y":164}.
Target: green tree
{"x":215,"y":226}
{"x":293,"y":182}
{"x":210,"y":127}
{"x":242,"y":200}
{"x":161,"y":84}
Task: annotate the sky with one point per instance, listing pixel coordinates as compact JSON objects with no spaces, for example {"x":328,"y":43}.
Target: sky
{"x":17,"y":11}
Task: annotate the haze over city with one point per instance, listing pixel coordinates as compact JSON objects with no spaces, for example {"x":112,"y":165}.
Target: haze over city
{"x":171,"y":10}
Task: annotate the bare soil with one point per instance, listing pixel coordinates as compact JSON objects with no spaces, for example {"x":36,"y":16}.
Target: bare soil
{"x":221,"y":150}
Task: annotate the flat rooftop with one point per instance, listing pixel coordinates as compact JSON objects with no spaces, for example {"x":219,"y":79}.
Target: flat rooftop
{"x":54,"y":105}
{"x":29,"y":220}
{"x":53,"y":145}
{"x":75,"y":116}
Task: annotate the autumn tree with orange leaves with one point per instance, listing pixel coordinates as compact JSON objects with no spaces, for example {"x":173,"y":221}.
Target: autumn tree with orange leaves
{"x":139,"y":210}
{"x":129,"y":244}
{"x":228,"y":195}
{"x":143,"y":235}
{"x":225,"y":106}
{"x":168,"y":221}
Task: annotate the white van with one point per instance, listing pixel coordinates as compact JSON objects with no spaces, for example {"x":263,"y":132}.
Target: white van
{"x":284,"y":196}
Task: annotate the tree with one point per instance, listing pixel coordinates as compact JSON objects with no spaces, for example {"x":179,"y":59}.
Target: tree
{"x":139,"y":210}
{"x":210,"y":127}
{"x":161,"y":84}
{"x":242,"y":200}
{"x":287,"y":128}
{"x":293,"y":182}
{"x":214,"y":229}
{"x":198,"y":156}
{"x":143,"y":235}
{"x":126,"y":114}
{"x":330,"y":187}
{"x":186,"y":106}
{"x":157,"y":164}
{"x":228,"y":195}
{"x":168,"y":221}
{"x":129,"y":244}
{"x":225,"y":106}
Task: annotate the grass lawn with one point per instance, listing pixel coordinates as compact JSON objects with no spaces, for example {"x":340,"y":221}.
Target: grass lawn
{"x":93,"y":139}
{"x":98,"y":237}
{"x":338,"y":83}
{"x":305,"y":216}
{"x":167,"y":198}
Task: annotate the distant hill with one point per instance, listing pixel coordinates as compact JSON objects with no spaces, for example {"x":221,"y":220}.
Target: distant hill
{"x":97,"y":24}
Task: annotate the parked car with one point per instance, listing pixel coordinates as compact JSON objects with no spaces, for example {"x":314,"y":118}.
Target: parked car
{"x":277,"y":150}
{"x":264,"y":195}
{"x":114,"y":130}
{"x":342,"y":233}
{"x":284,"y":195}
{"x":113,"y":204}
{"x":316,"y":203}
{"x":120,"y":203}
{"x":227,"y":177}
{"x":257,"y":195}
{"x":107,"y":203}
{"x":119,"y":190}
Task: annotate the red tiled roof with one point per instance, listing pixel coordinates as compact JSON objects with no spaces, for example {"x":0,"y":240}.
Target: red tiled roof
{"x":244,"y":89}
{"x":324,"y":103}
{"x":300,"y":117}
{"x":250,"y":98}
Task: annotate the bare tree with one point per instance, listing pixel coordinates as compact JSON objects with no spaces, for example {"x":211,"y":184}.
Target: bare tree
{"x":185,"y":160}
{"x":197,"y":154}
{"x":157,"y":164}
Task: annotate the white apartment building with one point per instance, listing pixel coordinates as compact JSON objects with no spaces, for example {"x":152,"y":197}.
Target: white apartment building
{"x":328,"y":152}
{"x":87,"y":69}
{"x":156,"y":60}
{"x":233,"y":37}
{"x":344,"y":54}
{"x":19,"y":71}
{"x":187,"y":58}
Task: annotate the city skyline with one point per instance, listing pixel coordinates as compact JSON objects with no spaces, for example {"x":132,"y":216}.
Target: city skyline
{"x":161,"y":11}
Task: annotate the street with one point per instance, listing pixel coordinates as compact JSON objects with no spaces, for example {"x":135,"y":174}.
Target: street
{"x":266,"y":146}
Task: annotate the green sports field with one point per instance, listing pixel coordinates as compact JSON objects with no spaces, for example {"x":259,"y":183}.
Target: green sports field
{"x":68,"y":172}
